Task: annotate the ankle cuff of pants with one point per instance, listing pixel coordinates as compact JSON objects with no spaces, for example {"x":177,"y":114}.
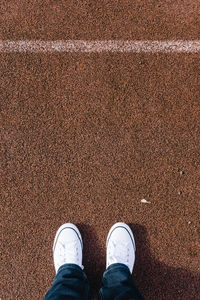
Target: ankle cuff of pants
{"x":70,"y":266}
{"x":117,"y":266}
{"x":70,"y":283}
{"x":117,"y":283}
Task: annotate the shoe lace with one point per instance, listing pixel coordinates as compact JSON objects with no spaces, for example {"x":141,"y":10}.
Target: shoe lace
{"x":69,"y":252}
{"x":119,"y":252}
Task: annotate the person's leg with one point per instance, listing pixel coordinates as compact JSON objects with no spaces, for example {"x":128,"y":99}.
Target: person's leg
{"x":70,"y":281}
{"x":117,"y":282}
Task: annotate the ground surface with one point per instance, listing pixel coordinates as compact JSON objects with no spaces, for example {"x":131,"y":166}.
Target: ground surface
{"x":85,"y":137}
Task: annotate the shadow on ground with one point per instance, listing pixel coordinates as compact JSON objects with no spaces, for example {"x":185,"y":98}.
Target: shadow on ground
{"x":155,"y":280}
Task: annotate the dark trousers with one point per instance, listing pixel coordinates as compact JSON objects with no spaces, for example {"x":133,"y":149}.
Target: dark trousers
{"x":72,"y":283}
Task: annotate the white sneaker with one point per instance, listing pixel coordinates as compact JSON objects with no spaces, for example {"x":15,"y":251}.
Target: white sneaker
{"x":120,"y":246}
{"x":68,"y":246}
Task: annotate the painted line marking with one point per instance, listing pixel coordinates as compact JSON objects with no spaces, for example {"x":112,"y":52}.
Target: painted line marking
{"x":147,"y":46}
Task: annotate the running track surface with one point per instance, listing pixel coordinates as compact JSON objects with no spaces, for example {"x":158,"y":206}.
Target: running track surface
{"x":85,"y":137}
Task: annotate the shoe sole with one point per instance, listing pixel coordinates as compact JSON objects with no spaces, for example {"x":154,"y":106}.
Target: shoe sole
{"x":64,"y":226}
{"x":125,"y":226}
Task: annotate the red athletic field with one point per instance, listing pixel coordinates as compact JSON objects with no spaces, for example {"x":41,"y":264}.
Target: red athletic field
{"x":86,"y":136}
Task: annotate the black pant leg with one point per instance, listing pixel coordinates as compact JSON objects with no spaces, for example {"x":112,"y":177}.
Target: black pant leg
{"x":70,"y":283}
{"x":117,"y":284}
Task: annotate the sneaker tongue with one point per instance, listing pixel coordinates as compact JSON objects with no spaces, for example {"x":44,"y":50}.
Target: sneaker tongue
{"x":118,"y":251}
{"x":68,"y":252}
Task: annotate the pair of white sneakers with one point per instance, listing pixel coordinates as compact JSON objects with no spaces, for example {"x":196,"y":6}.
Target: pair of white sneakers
{"x":68,"y":246}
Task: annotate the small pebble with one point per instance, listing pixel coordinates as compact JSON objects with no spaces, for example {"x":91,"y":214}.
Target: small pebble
{"x":179,"y":192}
{"x":181,"y":172}
{"x":145,"y":201}
{"x":189,"y":222}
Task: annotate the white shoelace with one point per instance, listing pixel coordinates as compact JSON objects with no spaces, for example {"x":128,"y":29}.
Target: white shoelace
{"x":118,"y":252}
{"x":68,"y":253}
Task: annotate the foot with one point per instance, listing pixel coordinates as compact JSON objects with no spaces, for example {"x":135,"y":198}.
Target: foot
{"x":120,"y":246}
{"x":68,"y":246}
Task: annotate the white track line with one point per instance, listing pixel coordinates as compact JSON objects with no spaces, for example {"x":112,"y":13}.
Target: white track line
{"x":167,"y":46}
